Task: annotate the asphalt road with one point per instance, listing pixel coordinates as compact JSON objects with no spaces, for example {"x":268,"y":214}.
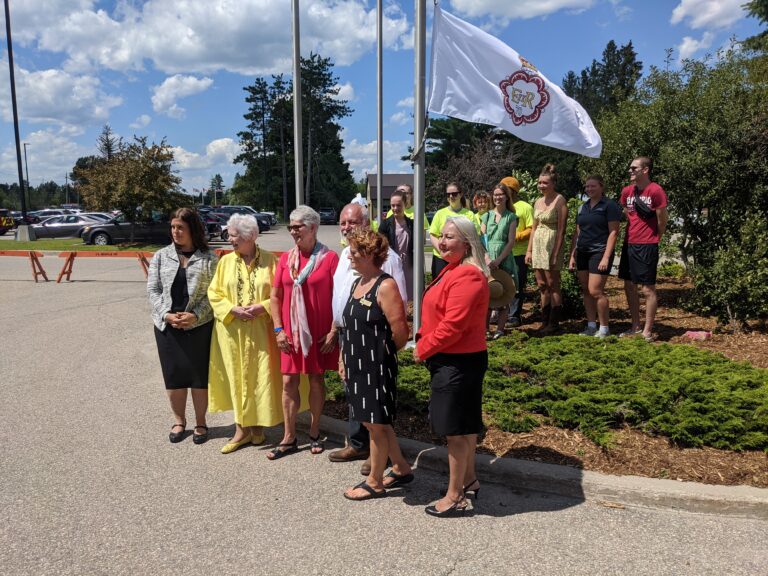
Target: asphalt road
{"x":91,"y":484}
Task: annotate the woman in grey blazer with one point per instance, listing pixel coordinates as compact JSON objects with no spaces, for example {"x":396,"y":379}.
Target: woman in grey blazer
{"x":177,"y":286}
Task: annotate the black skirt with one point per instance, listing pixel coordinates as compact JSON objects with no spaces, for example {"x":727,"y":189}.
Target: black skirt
{"x":184,"y":356}
{"x":456,"y":403}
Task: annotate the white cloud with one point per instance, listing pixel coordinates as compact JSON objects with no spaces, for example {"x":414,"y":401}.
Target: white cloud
{"x":689,"y":46}
{"x":406,"y":102}
{"x":346,"y":92}
{"x":362,"y":156}
{"x":50,"y":155}
{"x":400,"y":118}
{"x":622,"y":11}
{"x":174,"y":88}
{"x":56,"y":97}
{"x":141,"y":122}
{"x":251,"y":37}
{"x":220,"y":151}
{"x":709,"y":14}
{"x":522,"y":9}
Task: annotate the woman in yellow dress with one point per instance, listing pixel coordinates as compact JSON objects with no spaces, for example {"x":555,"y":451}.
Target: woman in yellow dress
{"x":244,"y":373}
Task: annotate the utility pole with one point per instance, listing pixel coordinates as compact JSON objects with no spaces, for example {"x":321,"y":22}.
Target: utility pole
{"x":298,"y":156}
{"x":66,"y":187}
{"x":26,"y":165}
{"x":15,"y":110}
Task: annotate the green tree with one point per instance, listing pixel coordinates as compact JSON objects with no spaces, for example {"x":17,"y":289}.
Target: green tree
{"x":138,"y":180}
{"x":758,"y":9}
{"x":107,"y":143}
{"x":216,"y":190}
{"x":267,"y":141}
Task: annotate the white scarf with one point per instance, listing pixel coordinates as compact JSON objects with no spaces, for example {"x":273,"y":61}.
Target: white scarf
{"x":300,"y":333}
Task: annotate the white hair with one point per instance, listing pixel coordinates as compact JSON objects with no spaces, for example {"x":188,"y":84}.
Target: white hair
{"x":305,"y":215}
{"x":244,"y":225}
{"x":468,"y":233}
{"x":363,"y":211}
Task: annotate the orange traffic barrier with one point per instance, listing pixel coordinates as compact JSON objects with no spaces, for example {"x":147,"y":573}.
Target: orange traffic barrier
{"x":66,"y":270}
{"x":37,"y":268}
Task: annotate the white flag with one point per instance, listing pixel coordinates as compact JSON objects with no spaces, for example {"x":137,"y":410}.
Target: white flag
{"x":478,"y":78}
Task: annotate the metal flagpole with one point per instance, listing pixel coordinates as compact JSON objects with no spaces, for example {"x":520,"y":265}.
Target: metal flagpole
{"x":420,"y":24}
{"x":297,"y":129}
{"x":380,"y":115}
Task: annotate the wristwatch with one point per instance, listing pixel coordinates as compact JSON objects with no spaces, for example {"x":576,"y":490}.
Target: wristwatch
{"x":278,"y":329}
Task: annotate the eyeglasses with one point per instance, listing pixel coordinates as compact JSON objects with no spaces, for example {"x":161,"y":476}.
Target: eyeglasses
{"x":295,"y":227}
{"x":635,"y":168}
{"x":452,"y":194}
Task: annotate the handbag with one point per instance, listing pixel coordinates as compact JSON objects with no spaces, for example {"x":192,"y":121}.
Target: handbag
{"x":641,"y":208}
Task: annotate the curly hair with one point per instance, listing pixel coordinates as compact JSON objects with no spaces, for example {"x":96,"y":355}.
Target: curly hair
{"x":369,"y":243}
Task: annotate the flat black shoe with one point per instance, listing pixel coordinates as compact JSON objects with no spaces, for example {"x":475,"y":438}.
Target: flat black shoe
{"x":200,"y":438}
{"x":456,"y":509}
{"x":175,"y":437}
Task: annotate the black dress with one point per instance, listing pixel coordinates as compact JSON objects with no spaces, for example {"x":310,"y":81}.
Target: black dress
{"x":370,"y":358}
{"x":183,"y":354}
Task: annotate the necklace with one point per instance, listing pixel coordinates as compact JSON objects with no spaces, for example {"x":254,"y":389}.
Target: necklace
{"x":251,"y":279}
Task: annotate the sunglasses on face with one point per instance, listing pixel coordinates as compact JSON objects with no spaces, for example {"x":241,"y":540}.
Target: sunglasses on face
{"x":295,"y":227}
{"x":452,"y":194}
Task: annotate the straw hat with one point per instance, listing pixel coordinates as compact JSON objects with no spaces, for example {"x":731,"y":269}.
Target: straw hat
{"x":502,"y":288}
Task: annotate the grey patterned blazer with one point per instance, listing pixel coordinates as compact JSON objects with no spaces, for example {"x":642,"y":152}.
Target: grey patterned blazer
{"x":162,"y":271}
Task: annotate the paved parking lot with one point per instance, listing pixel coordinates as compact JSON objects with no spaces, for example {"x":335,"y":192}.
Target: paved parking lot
{"x":91,"y":484}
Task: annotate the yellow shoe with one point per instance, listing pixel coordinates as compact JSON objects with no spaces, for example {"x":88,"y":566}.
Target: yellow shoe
{"x":258,"y":440}
{"x":232,"y":446}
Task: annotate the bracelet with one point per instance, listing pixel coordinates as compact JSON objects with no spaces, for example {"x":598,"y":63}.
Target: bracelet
{"x":278,"y":329}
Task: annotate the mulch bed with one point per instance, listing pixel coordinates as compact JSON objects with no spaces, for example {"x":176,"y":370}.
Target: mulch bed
{"x":631,"y":452}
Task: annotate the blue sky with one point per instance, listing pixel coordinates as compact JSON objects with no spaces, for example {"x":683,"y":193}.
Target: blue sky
{"x":176,"y":69}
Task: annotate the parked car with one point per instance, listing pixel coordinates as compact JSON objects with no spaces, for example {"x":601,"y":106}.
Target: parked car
{"x":272,"y":217}
{"x":157,"y":231}
{"x":261,"y":218}
{"x":327,"y":215}
{"x":101,"y":216}
{"x":68,"y":226}
{"x":48,"y":212}
{"x":19,"y":219}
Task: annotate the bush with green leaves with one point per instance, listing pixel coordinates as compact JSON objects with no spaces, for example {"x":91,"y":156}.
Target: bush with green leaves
{"x":689,"y":395}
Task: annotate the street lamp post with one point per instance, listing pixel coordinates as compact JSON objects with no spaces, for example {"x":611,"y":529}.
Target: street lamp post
{"x":26,"y":168}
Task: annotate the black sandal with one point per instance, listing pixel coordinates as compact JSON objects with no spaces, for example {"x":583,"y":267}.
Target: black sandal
{"x":200,"y":438}
{"x":371,"y":493}
{"x":175,"y":437}
{"x":398,"y":479}
{"x":316,"y":445}
{"x":276,"y":453}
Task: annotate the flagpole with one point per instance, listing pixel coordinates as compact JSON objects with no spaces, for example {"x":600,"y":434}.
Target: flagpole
{"x":298,"y":157}
{"x":379,"y":115}
{"x":420,"y":26}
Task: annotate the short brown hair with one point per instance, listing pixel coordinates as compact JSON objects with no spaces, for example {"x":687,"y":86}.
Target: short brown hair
{"x":369,"y":243}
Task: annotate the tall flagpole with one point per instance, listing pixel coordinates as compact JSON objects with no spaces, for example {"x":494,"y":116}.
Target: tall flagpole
{"x":298,"y":157}
{"x":380,"y":116}
{"x":420,"y":25}
{"x":15,"y":114}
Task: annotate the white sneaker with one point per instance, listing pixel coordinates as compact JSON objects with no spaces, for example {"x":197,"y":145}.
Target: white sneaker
{"x":589,"y":332}
{"x":599,"y":334}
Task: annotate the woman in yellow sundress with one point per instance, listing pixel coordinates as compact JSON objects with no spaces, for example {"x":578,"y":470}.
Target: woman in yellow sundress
{"x":546,"y":247}
{"x":244,"y":372}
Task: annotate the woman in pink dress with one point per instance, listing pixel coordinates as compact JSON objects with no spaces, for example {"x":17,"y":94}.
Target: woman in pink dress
{"x":302,"y":311}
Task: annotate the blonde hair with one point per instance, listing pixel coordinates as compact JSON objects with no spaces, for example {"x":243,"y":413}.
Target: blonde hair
{"x":468,"y":233}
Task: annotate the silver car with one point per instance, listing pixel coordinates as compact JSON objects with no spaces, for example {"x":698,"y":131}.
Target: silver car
{"x":68,"y":226}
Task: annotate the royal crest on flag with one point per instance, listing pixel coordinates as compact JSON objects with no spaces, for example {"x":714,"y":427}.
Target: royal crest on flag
{"x":478,"y":78}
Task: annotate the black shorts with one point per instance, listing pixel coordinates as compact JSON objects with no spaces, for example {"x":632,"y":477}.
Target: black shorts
{"x":591,"y":260}
{"x":456,"y":402}
{"x":638,"y":263}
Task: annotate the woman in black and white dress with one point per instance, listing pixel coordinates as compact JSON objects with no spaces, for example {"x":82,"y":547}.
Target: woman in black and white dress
{"x":375,"y":328}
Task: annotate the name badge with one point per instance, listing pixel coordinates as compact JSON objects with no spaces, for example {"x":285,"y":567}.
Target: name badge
{"x":365,"y":302}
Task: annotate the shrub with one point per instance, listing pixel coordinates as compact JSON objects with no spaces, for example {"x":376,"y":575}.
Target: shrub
{"x":691,"y":396}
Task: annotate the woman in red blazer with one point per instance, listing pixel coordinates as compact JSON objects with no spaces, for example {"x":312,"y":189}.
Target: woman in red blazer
{"x":451,"y":342}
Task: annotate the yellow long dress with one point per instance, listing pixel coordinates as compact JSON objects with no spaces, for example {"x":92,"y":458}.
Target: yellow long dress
{"x":244,"y":370}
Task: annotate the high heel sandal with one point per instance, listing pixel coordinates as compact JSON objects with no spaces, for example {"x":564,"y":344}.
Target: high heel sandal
{"x":472,"y":492}
{"x":455,"y":509}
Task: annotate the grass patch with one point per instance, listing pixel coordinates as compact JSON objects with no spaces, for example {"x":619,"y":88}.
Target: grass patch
{"x":691,"y":396}
{"x":76,"y":244}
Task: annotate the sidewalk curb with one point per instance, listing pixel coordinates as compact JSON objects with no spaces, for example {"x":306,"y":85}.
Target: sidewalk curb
{"x":738,"y":501}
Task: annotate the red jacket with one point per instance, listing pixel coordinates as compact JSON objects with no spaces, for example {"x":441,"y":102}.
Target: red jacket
{"x":453,"y":312}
